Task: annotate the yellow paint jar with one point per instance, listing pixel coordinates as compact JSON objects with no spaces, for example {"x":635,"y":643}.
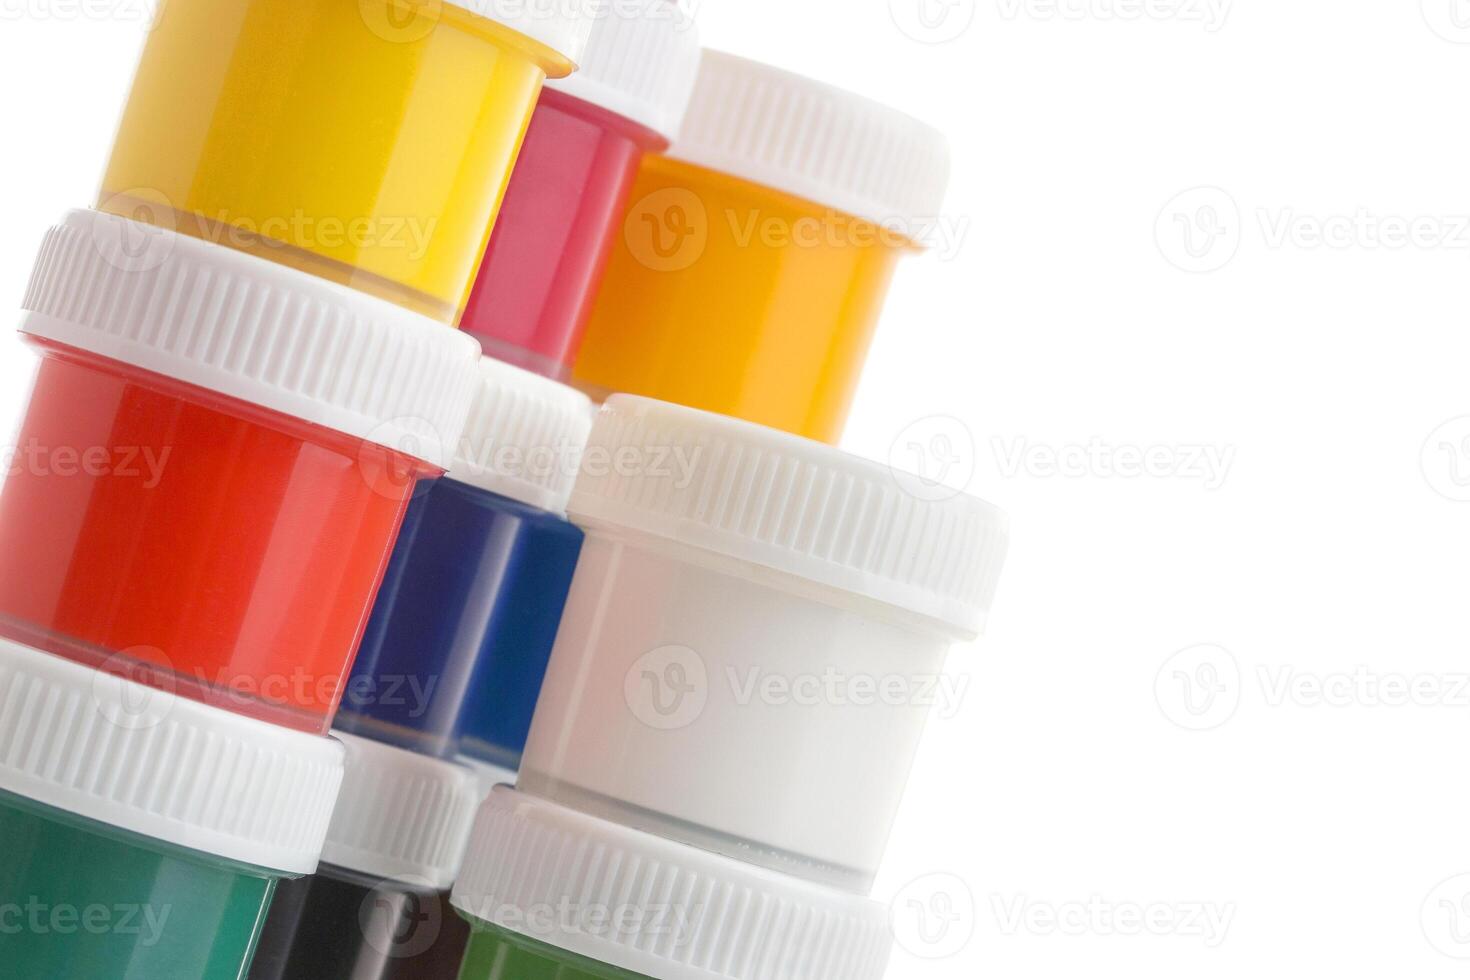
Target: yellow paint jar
{"x":756,"y":256}
{"x":368,"y":142}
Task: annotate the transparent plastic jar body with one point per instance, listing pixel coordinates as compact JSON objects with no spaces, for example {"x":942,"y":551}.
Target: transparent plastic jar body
{"x":726,"y":706}
{"x":193,"y":541}
{"x":367,"y":143}
{"x":164,"y":911}
{"x":734,"y":298}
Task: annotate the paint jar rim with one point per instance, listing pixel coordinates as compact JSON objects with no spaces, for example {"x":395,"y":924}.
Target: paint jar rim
{"x":641,"y":65}
{"x":524,"y":437}
{"x":530,"y":863}
{"x":816,"y":142}
{"x":793,"y":506}
{"x":129,"y":755}
{"x":401,"y":816}
{"x":255,"y":330}
{"x":562,"y":26}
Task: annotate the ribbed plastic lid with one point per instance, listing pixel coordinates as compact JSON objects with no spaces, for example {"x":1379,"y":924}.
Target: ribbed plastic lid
{"x":524,"y":438}
{"x":401,"y":816}
{"x":246,"y":327}
{"x":792,"y":505}
{"x":815,"y":141}
{"x":657,"y":908}
{"x":147,"y":761}
{"x":561,"y":25}
{"x":640,"y":63}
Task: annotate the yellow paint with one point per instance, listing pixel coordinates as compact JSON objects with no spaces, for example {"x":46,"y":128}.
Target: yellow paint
{"x":365,"y":141}
{"x":734,"y":298}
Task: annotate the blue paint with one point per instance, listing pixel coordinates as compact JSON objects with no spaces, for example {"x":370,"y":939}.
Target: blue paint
{"x":456,"y":649}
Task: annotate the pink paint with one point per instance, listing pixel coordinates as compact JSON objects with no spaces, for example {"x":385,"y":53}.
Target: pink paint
{"x":561,"y":214}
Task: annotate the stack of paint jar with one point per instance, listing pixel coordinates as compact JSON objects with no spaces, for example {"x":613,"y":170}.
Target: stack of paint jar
{"x":291,"y":575}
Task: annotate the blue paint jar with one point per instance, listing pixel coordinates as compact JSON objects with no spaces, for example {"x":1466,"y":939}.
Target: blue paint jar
{"x":454,"y":653}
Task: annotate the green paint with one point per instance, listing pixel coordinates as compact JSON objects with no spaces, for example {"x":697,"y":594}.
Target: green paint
{"x":81,"y":899}
{"x":495,"y":954}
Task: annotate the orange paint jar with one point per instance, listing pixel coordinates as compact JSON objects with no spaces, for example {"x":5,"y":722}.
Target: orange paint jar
{"x":213,"y":465}
{"x":756,"y":256}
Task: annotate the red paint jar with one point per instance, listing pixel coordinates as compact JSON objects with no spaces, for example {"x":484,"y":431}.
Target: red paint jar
{"x":213,"y":465}
{"x":567,"y":196}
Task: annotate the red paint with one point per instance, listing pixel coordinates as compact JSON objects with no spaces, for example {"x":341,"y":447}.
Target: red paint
{"x":225,"y":551}
{"x":561,"y":214}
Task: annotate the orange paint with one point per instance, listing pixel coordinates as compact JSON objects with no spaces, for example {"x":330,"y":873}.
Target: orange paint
{"x":734,"y":298}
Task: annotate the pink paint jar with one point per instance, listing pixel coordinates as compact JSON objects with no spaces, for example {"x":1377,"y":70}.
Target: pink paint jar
{"x":570,"y":188}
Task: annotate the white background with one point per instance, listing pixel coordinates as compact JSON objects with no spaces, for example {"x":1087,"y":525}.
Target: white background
{"x":1294,"y":334}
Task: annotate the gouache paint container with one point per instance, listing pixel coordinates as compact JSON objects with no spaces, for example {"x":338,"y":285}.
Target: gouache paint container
{"x":144,"y":833}
{"x":453,"y":656}
{"x":780,"y":213}
{"x":565,"y":204}
{"x":364,"y":141}
{"x":378,"y":906}
{"x":753,"y":641}
{"x":213,"y":465}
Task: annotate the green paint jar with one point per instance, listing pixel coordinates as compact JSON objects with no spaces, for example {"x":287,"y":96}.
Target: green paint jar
{"x":496,"y":954}
{"x":144,"y":832}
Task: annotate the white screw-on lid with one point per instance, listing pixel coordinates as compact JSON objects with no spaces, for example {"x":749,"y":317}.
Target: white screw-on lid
{"x":814,"y":141}
{"x":401,"y":816}
{"x":640,"y":63}
{"x":246,"y":327}
{"x":791,"y":505}
{"x":524,"y":438}
{"x":657,"y":908}
{"x":157,"y":764}
{"x":561,"y":25}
